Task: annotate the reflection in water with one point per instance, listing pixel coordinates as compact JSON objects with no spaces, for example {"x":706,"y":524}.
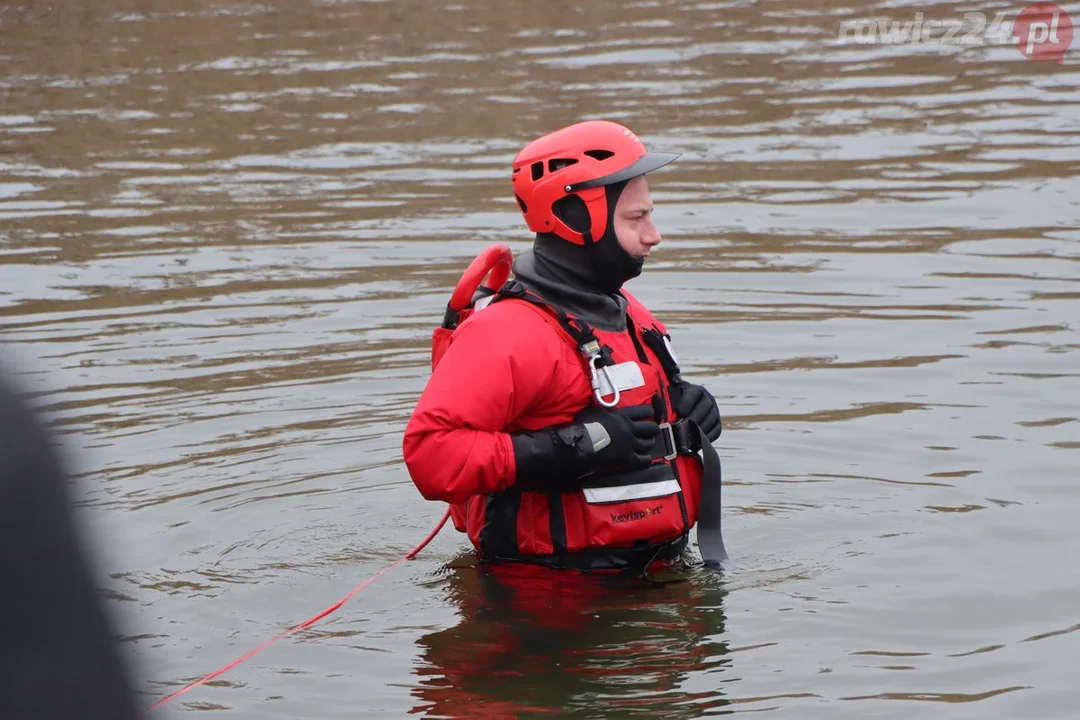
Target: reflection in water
{"x":227,"y":231}
{"x":531,"y":642}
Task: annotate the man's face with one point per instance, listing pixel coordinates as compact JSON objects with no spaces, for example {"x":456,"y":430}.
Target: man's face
{"x":633,"y":219}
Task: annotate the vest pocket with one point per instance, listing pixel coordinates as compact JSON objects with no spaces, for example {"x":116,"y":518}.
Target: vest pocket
{"x":627,"y":509}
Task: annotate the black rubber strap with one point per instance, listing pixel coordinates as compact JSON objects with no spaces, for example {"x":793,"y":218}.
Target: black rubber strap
{"x":710,"y":508}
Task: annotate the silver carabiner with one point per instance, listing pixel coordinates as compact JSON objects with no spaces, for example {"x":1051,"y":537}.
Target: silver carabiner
{"x":596,"y":382}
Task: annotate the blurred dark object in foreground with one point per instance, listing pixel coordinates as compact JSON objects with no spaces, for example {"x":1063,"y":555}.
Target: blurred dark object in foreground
{"x":59,"y":657}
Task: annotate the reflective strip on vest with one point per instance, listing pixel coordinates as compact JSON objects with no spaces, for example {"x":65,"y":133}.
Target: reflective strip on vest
{"x":622,"y":493}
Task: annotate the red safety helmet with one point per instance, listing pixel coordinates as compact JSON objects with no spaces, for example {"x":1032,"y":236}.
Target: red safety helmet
{"x":578,"y":160}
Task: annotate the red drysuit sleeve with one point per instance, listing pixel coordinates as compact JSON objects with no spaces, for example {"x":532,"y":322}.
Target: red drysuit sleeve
{"x":500,"y":361}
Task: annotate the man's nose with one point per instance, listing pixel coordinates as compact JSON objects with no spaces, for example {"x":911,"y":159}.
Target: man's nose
{"x":651,"y":236}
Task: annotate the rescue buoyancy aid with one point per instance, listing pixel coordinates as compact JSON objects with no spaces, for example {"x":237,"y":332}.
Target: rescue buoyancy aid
{"x":620,"y":520}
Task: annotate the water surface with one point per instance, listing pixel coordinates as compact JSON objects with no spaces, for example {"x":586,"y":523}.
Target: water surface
{"x":228,"y":230}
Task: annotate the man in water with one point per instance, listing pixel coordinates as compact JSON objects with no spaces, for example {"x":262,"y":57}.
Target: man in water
{"x":557,"y":423}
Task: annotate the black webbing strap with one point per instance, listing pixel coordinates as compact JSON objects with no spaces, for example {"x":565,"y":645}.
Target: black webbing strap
{"x":687,"y":436}
{"x":710,"y":509}
{"x":656,"y":343}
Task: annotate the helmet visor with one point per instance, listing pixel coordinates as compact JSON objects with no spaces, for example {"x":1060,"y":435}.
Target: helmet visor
{"x":646,"y":163}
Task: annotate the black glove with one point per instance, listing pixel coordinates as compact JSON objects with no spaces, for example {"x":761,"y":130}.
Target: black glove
{"x":556,"y":458}
{"x":697,"y":404}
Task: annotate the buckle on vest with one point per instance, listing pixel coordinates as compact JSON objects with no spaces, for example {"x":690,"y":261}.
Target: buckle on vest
{"x":675,"y":440}
{"x":687,"y":438}
{"x":670,"y":449}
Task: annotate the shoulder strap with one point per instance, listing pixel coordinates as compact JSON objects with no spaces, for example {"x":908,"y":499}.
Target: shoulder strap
{"x":576,"y":329}
{"x":658,"y":343}
{"x":595,"y":358}
{"x":548,"y":317}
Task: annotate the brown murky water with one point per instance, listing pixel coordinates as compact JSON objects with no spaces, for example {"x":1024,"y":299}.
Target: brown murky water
{"x":228,"y":229}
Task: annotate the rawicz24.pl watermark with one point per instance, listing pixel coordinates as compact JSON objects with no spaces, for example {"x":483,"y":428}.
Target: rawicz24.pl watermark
{"x":1041,"y":31}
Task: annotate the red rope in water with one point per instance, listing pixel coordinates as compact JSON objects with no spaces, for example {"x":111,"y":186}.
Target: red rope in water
{"x":312,"y":620}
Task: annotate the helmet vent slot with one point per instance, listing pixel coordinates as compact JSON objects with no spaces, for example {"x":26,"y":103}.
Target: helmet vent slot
{"x":537,"y":171}
{"x":559,"y":163}
{"x":599,"y":154}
